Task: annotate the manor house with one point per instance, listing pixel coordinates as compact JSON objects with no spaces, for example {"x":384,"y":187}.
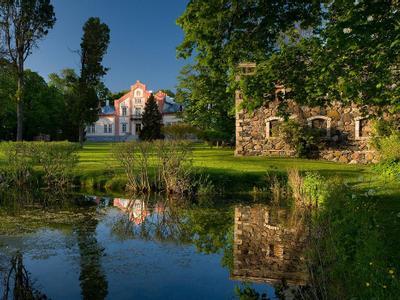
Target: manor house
{"x":347,"y":128}
{"x":123,"y":120}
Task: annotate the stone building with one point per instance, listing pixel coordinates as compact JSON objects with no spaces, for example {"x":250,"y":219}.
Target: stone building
{"x":347,"y":128}
{"x":269,"y":244}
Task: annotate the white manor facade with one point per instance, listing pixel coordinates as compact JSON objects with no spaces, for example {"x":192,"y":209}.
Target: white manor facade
{"x":123,"y":121}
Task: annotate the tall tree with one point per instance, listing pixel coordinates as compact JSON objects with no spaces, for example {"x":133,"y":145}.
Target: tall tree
{"x":223,"y":33}
{"x":152,"y":121}
{"x":94,"y":45}
{"x":22,"y":24}
{"x":352,"y":58}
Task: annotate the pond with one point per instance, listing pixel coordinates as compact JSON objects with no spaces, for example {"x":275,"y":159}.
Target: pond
{"x":97,"y":247}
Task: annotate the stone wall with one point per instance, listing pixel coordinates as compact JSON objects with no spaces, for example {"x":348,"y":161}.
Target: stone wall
{"x":268,"y":246}
{"x":348,"y":130}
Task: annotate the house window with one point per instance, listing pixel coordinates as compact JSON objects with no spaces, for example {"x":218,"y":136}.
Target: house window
{"x":272,"y":126}
{"x":124,"y":111}
{"x":105,"y":128}
{"x":138,"y":128}
{"x":138,"y":111}
{"x":92,"y":128}
{"x":138,"y":100}
{"x":124,"y":127}
{"x":362,"y":128}
{"x":138,"y":93}
{"x":109,"y":128}
{"x":322,"y":124}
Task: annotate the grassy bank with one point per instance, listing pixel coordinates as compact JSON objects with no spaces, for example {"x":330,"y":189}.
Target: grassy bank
{"x":98,"y":168}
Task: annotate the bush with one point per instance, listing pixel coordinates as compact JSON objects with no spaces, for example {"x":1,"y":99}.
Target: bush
{"x":57,"y":160}
{"x":304,"y":140}
{"x":214,"y":137}
{"x":180,"y":131}
{"x":19,"y":163}
{"x":315,"y":189}
{"x":168,"y":161}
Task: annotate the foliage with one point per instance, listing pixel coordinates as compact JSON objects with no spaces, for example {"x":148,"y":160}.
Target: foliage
{"x":22,"y":24}
{"x":94,"y":45}
{"x":388,"y":170}
{"x":353,"y":251}
{"x":220,"y":34}
{"x":315,"y":189}
{"x":214,"y":137}
{"x":208,"y":104}
{"x":180,"y":131}
{"x":19,"y":163}
{"x":351,"y":56}
{"x":174,"y":166}
{"x":151,"y":120}
{"x":156,"y":166}
{"x":57,"y":160}
{"x":304,"y":140}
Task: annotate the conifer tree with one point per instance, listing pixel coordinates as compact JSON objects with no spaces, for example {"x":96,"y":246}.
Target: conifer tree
{"x":152,"y":121}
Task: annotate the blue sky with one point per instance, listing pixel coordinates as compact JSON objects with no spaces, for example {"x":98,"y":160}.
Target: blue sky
{"x":143,"y":43}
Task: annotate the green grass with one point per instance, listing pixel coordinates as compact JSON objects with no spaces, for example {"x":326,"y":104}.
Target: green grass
{"x":237,"y":174}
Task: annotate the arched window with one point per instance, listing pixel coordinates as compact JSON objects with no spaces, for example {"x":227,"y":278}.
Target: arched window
{"x":321,"y":123}
{"x":138,"y":93}
{"x":362,"y":128}
{"x":272,"y":124}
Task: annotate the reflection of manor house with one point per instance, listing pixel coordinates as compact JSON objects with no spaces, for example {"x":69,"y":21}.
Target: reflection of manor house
{"x":268,"y":245}
{"x":347,"y":128}
{"x":137,"y":209}
{"x":123,"y":121}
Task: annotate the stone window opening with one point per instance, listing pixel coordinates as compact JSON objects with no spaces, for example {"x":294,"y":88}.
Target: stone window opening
{"x":272,"y":125}
{"x":362,"y":128}
{"x":271,"y":250}
{"x":322,"y":123}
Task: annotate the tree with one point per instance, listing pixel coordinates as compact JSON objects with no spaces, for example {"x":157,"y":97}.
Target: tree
{"x":94,"y":45}
{"x":152,"y":121}
{"x":353,"y":57}
{"x":22,"y":24}
{"x":223,"y":33}
{"x":66,"y":84}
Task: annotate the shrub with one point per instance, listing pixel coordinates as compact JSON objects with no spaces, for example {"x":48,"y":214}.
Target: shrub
{"x":180,"y":131}
{"x":172,"y":170}
{"x":304,"y":140}
{"x":315,"y":188}
{"x":57,"y":160}
{"x":19,"y":163}
{"x":214,"y":137}
{"x":174,"y":166}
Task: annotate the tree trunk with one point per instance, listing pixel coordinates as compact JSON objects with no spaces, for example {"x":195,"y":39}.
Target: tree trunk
{"x":81,"y":133}
{"x":20,"y":104}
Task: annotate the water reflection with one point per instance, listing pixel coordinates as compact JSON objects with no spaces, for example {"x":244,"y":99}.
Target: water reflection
{"x":126,"y":246}
{"x":269,"y":244}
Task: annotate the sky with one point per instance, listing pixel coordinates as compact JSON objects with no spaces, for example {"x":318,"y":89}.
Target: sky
{"x":143,"y":43}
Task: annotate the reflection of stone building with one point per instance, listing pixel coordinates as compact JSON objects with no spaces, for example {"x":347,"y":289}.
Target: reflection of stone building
{"x":268,"y":246}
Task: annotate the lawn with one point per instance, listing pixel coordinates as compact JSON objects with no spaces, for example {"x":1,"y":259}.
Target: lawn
{"x":96,"y":163}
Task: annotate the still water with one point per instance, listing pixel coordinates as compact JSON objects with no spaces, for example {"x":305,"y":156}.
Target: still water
{"x":91,"y":247}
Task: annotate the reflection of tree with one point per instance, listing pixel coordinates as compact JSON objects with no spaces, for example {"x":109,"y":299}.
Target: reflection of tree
{"x":93,"y":281}
{"x":22,"y":285}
